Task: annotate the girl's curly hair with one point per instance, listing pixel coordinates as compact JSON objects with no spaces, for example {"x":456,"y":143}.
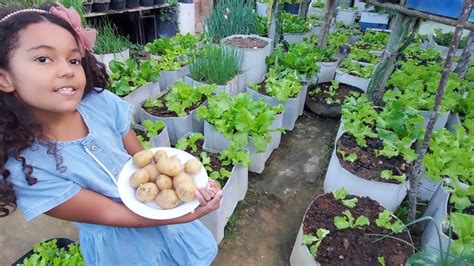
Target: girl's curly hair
{"x":18,"y":130}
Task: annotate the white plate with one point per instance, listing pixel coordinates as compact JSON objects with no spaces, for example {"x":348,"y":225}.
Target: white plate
{"x":151,"y":210}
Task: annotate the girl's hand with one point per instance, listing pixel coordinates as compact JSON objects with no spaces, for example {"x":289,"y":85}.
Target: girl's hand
{"x":209,"y":198}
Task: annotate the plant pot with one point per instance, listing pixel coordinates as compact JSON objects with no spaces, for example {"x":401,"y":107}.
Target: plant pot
{"x":292,"y":8}
{"x":166,"y":29}
{"x":253,"y":59}
{"x":217,"y":141}
{"x":292,"y":106}
{"x":187,"y":18}
{"x":160,"y":140}
{"x":358,"y":82}
{"x":324,"y":109}
{"x":293,"y":38}
{"x":133,"y":3}
{"x":369,"y":20}
{"x":87,"y":7}
{"x":106,"y":58}
{"x":262,"y":9}
{"x":327,"y":71}
{"x":453,"y":120}
{"x":168,"y":78}
{"x":177,"y":126}
{"x":443,"y":50}
{"x":389,"y":195}
{"x":160,"y":2}
{"x":233,"y":87}
{"x":233,"y":189}
{"x":346,"y":16}
{"x":301,"y":255}
{"x":61,"y":243}
{"x":118,"y":4}
{"x":440,"y":122}
{"x":100,"y":7}
{"x":147,"y":2}
{"x":143,"y":93}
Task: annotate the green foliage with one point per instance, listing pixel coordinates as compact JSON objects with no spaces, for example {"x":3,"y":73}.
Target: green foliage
{"x":182,"y":96}
{"x":387,"y":220}
{"x":153,"y":128}
{"x":347,"y":221}
{"x":445,"y":38}
{"x":48,"y":253}
{"x":234,"y":155}
{"x":262,"y":28}
{"x":319,"y":4}
{"x":282,"y":85}
{"x":351,"y":157}
{"x":127,"y":76}
{"x":356,"y":69}
{"x":314,"y":241}
{"x":189,"y":142}
{"x":294,"y":24}
{"x":301,"y":57}
{"x":216,"y":64}
{"x":109,"y":41}
{"x":363,"y":55}
{"x":338,"y":38}
{"x":240,"y":117}
{"x":381,"y":260}
{"x":229,"y":17}
{"x":422,"y":56}
{"x":416,"y":86}
{"x":341,"y":195}
{"x":388,"y":175}
{"x":463,"y":225}
{"x":377,"y":40}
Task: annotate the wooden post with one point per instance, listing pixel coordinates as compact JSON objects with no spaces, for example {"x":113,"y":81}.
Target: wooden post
{"x":275,"y":31}
{"x":323,"y":36}
{"x":414,"y":176}
{"x":304,"y":8}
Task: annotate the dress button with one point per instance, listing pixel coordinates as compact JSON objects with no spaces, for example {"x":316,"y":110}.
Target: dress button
{"x":115,"y":173}
{"x":93,"y":147}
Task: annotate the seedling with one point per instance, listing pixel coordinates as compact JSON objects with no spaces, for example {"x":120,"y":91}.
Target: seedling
{"x":341,"y":195}
{"x":315,"y":241}
{"x":387,"y":220}
{"x":348,"y":221}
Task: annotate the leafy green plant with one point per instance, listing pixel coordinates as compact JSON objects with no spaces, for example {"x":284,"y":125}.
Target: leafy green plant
{"x":341,"y":195}
{"x":240,"y":118}
{"x":127,"y":76}
{"x":319,"y":4}
{"x":381,"y":260}
{"x":329,"y":93}
{"x":351,"y":157}
{"x":348,"y":221}
{"x":109,"y":41}
{"x":356,"y":69}
{"x":262,"y":28}
{"x":363,"y":55}
{"x":416,"y":86}
{"x":314,"y":241}
{"x":387,"y":220}
{"x":377,"y":40}
{"x":388,"y":175}
{"x":422,"y":56}
{"x":338,"y":38}
{"x":229,"y":17}
{"x":183,"y":96}
{"x":282,"y":85}
{"x":463,"y":225}
{"x":216,"y":64}
{"x":153,"y":128}
{"x":48,"y":253}
{"x":294,"y":24}
{"x":444,"y":38}
{"x":189,"y":142}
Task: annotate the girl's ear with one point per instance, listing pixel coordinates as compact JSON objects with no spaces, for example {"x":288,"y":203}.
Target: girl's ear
{"x":6,"y":84}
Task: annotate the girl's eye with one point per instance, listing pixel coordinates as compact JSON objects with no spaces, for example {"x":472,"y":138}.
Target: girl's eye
{"x":75,"y":61}
{"x":43,"y":59}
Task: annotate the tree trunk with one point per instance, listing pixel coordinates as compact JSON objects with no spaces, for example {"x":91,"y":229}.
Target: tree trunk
{"x":304,"y":8}
{"x":401,"y":27}
{"x":414,"y":176}
{"x":464,"y":62}
{"x":323,"y":36}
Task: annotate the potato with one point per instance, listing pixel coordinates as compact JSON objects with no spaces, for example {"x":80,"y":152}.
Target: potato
{"x":139,"y":177}
{"x":160,"y":154}
{"x":146,"y":192}
{"x":152,"y":172}
{"x":182,"y":177}
{"x":192,"y":166}
{"x":186,"y":190}
{"x":142,"y":158}
{"x":169,"y":166}
{"x":167,"y":199}
{"x":164,"y":182}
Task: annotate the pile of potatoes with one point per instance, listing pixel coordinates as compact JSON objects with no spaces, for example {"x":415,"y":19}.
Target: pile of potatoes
{"x":163,"y":179}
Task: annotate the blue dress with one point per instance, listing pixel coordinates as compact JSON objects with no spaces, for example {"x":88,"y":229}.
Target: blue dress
{"x":108,"y":120}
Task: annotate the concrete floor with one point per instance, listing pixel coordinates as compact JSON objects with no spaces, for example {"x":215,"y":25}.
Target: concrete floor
{"x":269,"y":217}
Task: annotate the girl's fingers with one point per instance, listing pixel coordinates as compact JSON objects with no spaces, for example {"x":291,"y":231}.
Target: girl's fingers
{"x":207,"y":193}
{"x":200,"y":198}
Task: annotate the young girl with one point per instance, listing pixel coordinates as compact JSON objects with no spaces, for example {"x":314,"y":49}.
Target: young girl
{"x":63,"y":138}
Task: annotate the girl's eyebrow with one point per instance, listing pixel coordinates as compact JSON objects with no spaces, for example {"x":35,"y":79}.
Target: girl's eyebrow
{"x":43,"y":46}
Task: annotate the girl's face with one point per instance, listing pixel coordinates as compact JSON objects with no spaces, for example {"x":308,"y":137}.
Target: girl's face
{"x":45,"y":69}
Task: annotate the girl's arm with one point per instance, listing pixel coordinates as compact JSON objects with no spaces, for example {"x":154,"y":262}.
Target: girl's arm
{"x":131,"y":143}
{"x":90,"y":207}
